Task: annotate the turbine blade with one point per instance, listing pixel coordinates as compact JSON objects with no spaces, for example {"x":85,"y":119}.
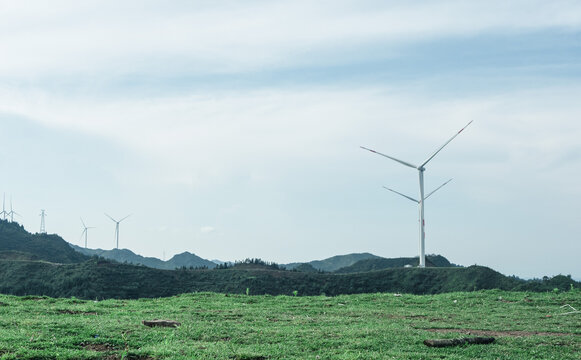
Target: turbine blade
{"x":389,"y":157}
{"x":405,"y":196}
{"x":438,"y":188}
{"x":110,"y":217}
{"x":82,"y":222}
{"x":447,"y":142}
{"x":125,"y":217}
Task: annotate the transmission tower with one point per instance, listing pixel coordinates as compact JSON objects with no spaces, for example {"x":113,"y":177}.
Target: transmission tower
{"x":42,"y":227}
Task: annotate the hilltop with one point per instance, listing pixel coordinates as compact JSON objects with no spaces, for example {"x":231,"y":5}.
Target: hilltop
{"x":18,"y":244}
{"x":378,"y":263}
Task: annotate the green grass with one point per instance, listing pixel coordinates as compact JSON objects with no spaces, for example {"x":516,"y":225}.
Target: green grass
{"x":216,"y":326}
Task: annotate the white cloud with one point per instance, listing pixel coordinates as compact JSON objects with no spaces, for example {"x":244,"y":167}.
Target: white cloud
{"x":109,"y":39}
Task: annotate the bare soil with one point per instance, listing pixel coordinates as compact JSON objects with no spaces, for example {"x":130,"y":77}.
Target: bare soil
{"x":499,"y":333}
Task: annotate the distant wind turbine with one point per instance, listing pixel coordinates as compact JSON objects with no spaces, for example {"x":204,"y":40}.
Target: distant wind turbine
{"x":85,"y":231}
{"x":12,"y":212}
{"x":117,"y":227}
{"x":4,"y":214}
{"x":420,"y":202}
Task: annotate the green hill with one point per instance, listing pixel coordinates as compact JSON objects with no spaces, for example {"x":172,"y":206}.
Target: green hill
{"x":16,"y":243}
{"x":383,"y":263}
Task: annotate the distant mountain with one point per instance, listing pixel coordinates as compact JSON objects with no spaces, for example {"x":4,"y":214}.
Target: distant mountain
{"x":220,"y":262}
{"x":334,"y":263}
{"x":189,"y":260}
{"x":305,"y":268}
{"x":127,"y":256}
{"x":18,"y":244}
{"x":375,"y":264}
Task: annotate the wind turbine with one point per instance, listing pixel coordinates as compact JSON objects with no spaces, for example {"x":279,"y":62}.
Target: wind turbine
{"x":117,"y":227}
{"x":12,"y":212}
{"x":85,"y":231}
{"x":420,"y":202}
{"x":4,"y":213}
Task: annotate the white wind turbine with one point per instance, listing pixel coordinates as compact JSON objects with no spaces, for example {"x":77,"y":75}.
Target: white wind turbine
{"x":117,"y":227}
{"x":85,"y":231}
{"x":4,"y":214}
{"x":420,"y":202}
{"x":11,"y":213}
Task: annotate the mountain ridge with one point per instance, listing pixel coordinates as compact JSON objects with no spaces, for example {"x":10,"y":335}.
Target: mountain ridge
{"x":41,"y":264}
{"x":185,"y":259}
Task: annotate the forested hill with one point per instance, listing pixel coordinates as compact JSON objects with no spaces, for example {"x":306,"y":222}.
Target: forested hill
{"x":377,"y":263}
{"x":18,"y":244}
{"x":102,"y":279}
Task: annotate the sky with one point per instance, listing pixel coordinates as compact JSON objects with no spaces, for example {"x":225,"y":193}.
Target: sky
{"x":232,"y":129}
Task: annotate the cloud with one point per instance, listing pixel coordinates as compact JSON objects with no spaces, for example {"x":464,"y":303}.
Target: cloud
{"x":203,"y":139}
{"x":97,"y":39}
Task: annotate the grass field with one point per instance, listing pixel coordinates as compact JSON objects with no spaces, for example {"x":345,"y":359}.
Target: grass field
{"x":218,"y":326}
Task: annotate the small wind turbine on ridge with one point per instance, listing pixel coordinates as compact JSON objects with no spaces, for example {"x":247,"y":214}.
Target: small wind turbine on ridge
{"x":422,"y":197}
{"x":4,"y":214}
{"x":11,"y":213}
{"x":85,"y":231}
{"x":117,"y":228}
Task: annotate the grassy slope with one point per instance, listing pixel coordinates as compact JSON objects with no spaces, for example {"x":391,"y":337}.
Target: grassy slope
{"x":215,"y":326}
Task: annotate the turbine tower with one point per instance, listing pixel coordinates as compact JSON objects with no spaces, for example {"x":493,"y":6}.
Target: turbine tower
{"x":85,"y":231}
{"x":4,"y":213}
{"x":42,"y":227}
{"x":421,"y":168}
{"x":117,"y":228}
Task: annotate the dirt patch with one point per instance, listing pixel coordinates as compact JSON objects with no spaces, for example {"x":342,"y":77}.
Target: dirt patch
{"x":74,"y":312}
{"x":128,"y":357}
{"x":99,"y":347}
{"x":499,"y":333}
{"x":249,"y":357}
{"x":108,"y":348}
